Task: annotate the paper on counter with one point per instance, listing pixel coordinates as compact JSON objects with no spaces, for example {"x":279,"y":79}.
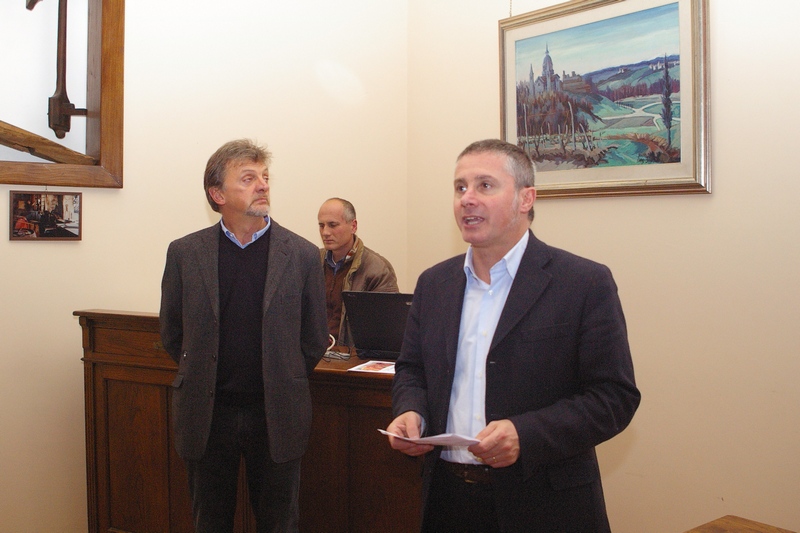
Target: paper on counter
{"x":375,"y":366}
{"x":444,"y":439}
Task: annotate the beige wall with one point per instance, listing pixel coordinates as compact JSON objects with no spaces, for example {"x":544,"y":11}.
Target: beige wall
{"x":372,"y":101}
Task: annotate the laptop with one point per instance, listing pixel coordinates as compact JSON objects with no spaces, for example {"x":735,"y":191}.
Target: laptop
{"x":377,"y":322}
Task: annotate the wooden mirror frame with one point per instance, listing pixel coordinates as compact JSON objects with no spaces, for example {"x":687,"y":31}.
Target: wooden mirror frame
{"x":104,"y":104}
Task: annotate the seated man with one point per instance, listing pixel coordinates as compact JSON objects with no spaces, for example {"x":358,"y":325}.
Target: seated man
{"x":348,"y":264}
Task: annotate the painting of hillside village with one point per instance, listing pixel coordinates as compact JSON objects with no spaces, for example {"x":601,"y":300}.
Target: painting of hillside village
{"x":616,"y":101}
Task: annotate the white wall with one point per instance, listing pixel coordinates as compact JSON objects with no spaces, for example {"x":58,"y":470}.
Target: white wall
{"x":372,"y":101}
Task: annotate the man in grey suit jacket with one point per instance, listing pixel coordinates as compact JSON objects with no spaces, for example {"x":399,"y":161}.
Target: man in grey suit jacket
{"x":521,"y":346}
{"x":243,"y":315}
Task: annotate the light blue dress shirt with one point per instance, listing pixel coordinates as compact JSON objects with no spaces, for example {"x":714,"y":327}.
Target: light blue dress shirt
{"x":256,"y":235}
{"x":483,"y":304}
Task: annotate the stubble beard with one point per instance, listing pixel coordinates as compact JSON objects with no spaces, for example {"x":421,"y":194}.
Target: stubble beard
{"x":513,"y":222}
{"x":258,"y":210}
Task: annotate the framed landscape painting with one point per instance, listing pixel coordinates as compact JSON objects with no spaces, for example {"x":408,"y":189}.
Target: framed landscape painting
{"x":609,"y":97}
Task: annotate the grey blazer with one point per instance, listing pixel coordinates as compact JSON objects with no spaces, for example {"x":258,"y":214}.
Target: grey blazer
{"x":293,"y":341}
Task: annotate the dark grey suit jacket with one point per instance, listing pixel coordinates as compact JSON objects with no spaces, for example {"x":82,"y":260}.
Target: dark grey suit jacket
{"x":293,"y":341}
{"x":559,"y":367}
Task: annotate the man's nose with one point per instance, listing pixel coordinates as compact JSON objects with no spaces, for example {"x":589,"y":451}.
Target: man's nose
{"x":468,"y":196}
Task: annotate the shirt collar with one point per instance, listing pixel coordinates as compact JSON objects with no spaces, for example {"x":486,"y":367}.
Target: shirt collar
{"x":228,"y":233}
{"x":347,"y":258}
{"x":510,"y":262}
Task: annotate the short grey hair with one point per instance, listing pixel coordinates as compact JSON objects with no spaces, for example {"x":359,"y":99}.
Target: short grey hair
{"x":348,"y":211}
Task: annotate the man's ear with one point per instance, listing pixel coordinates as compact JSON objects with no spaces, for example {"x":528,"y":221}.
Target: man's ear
{"x":216,"y":195}
{"x":526,"y":196}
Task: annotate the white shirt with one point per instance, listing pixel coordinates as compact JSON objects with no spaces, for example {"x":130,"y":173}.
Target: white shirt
{"x":483,"y":304}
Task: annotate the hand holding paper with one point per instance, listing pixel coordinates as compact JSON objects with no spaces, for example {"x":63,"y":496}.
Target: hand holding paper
{"x":444,"y":439}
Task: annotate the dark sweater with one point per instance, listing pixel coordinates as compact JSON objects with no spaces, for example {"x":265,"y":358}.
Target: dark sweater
{"x":242,"y":275}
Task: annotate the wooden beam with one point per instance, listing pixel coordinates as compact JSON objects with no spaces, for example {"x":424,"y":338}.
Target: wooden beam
{"x":105,"y":102}
{"x":39,"y":146}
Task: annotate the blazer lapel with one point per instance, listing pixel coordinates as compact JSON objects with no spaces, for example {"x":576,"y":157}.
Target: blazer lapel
{"x":452,"y":299}
{"x":278,"y":259}
{"x":207,"y":257}
{"x":529,"y":284}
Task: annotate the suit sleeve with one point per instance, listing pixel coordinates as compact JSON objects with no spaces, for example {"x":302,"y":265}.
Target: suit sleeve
{"x":409,"y":388}
{"x":314,"y":328}
{"x":171,"y":313}
{"x":599,"y":401}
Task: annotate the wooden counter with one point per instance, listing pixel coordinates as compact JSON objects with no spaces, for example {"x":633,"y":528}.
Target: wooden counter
{"x":352,"y":481}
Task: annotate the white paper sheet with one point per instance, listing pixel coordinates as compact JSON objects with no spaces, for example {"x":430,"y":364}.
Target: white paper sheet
{"x":443,"y":439}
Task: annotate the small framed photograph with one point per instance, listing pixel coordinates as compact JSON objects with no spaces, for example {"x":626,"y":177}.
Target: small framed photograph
{"x":45,"y":216}
{"x":609,"y":97}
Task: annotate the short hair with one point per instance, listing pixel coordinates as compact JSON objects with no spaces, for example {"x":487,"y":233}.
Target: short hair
{"x":348,"y":211}
{"x":241,"y":150}
{"x":518,"y":162}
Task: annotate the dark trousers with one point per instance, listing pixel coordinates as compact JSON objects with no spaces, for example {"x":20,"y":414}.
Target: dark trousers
{"x":457,"y":506}
{"x":236,"y":433}
{"x":541,"y":504}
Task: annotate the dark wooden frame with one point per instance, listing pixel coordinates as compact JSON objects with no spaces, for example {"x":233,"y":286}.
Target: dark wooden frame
{"x":102,"y":165}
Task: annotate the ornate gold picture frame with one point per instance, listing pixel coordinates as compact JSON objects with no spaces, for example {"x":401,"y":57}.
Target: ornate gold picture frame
{"x":609,"y":97}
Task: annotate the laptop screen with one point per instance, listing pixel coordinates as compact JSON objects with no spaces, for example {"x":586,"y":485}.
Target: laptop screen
{"x":377,"y":322}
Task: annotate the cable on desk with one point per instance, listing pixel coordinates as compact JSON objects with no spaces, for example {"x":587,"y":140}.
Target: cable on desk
{"x":330,"y":355}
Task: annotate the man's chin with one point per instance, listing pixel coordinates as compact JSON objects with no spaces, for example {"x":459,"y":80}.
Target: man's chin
{"x":469,"y":234}
{"x":261,"y":211}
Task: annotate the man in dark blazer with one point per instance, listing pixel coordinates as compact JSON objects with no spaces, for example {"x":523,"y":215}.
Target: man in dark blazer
{"x":522,"y":346}
{"x":243,"y":315}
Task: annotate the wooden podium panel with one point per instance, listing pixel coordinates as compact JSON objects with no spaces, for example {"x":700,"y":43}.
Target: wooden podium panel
{"x":352,"y":481}
{"x":135,"y":480}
